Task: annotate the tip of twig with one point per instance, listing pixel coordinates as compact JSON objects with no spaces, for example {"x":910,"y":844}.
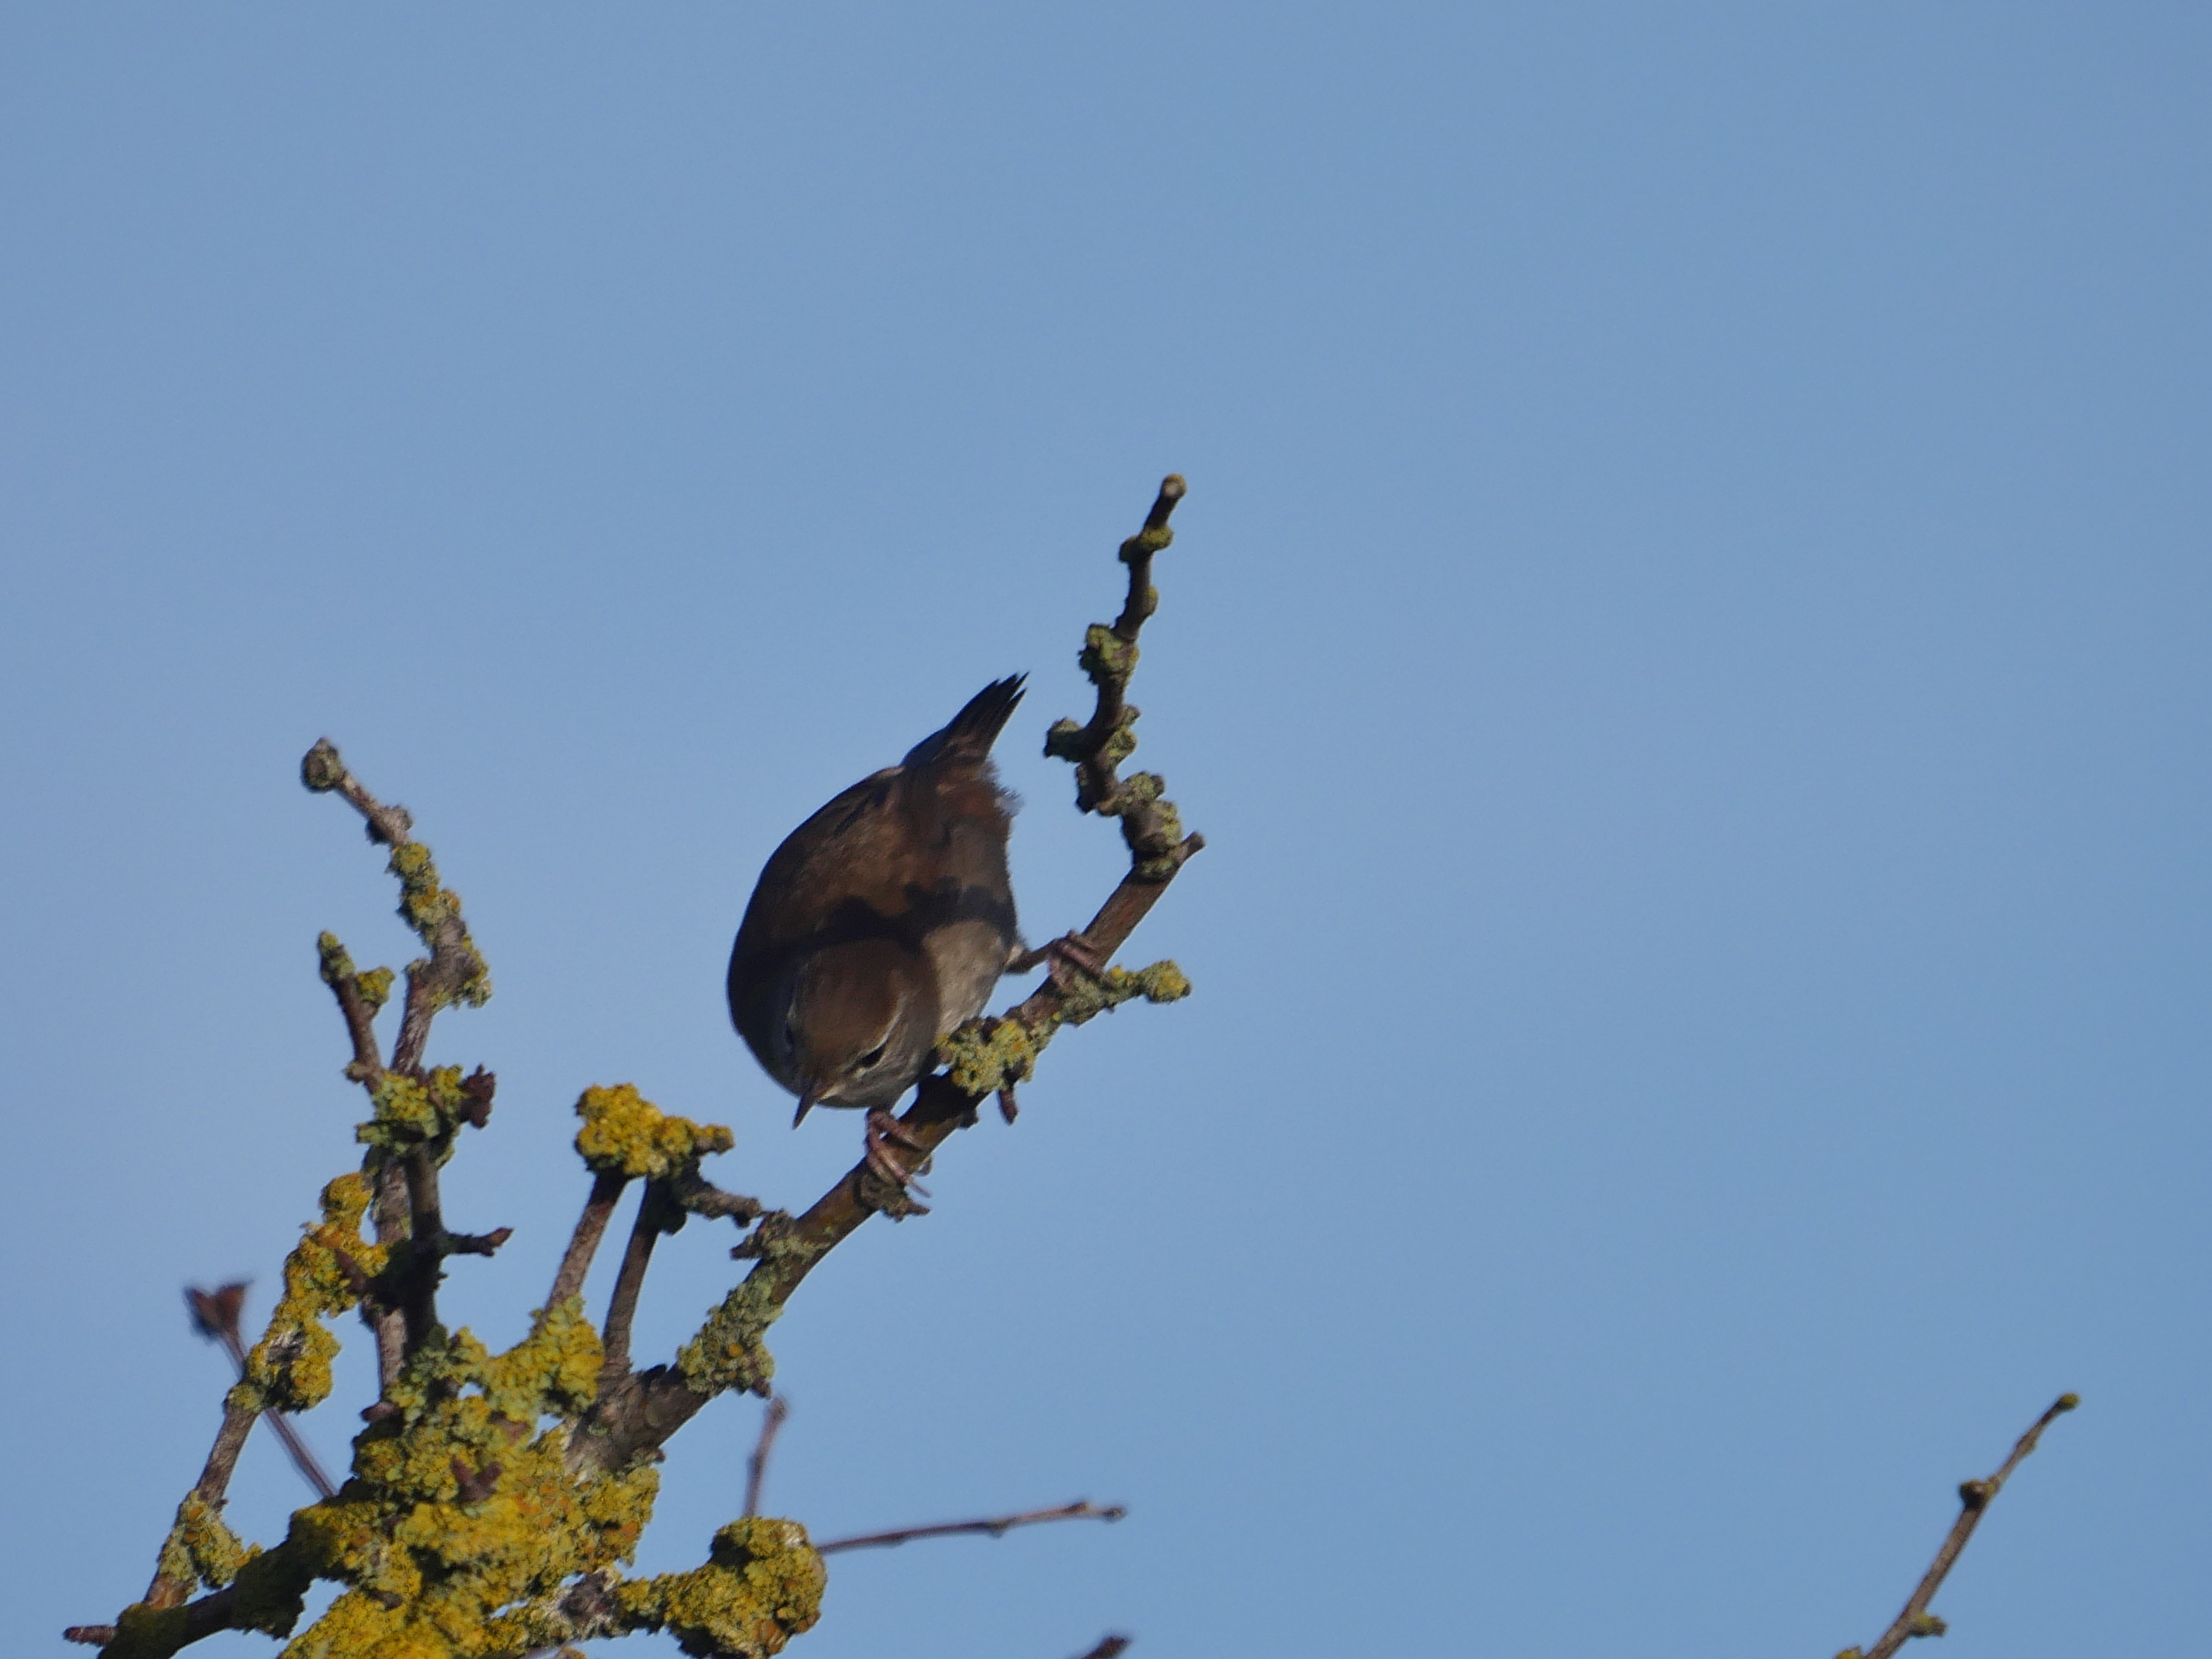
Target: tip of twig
{"x":477,"y":1243}
{"x":1172,"y":489}
{"x":320,"y":769}
{"x":91,"y":1636}
{"x":477,"y":1089}
{"x":2065,"y":1403}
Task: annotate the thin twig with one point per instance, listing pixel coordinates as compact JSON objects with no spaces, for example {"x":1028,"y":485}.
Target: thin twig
{"x":653,"y":1213}
{"x":1082,"y":1510}
{"x":415,"y":1017}
{"x":323,"y":771}
{"x":211,"y":1488}
{"x":303,"y":1459}
{"x":368,"y":1067}
{"x":1093,"y":749}
{"x":694,"y":1194}
{"x":1974,"y":1498}
{"x":1110,"y":1648}
{"x":756,"y":1465}
{"x":584,"y":1242}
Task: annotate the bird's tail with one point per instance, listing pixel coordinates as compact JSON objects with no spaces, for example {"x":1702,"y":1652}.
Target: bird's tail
{"x":970,"y":734}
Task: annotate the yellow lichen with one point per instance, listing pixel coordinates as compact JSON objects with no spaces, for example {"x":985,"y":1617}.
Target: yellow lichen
{"x":728,"y":1352}
{"x":762,"y":1586}
{"x":1106,"y":655}
{"x":427,"y":908}
{"x":556,"y":1368}
{"x":990,"y":1054}
{"x":463,"y":1523}
{"x":624,"y":1133}
{"x":1086,"y":998}
{"x":412,"y":1111}
{"x":201,"y":1549}
{"x":290,"y":1368}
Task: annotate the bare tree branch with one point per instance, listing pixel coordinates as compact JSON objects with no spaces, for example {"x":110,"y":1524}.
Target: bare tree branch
{"x":756,"y":1465}
{"x":583,"y":1245}
{"x":1110,"y":657}
{"x":368,"y":1067}
{"x":655,"y":1211}
{"x":1974,"y":1496}
{"x":1111,"y":1648}
{"x":694,"y":1194}
{"x":1081,"y":1509}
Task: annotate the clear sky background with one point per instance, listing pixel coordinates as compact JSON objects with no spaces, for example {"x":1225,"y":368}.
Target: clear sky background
{"x":1687,"y":641}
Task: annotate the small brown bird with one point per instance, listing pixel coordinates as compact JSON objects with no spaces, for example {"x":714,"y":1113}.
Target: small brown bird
{"x":881,"y":924}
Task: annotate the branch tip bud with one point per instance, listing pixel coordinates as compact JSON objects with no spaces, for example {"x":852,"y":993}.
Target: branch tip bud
{"x":320,"y":769}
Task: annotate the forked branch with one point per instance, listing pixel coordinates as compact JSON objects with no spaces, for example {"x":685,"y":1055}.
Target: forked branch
{"x":408,"y":1212}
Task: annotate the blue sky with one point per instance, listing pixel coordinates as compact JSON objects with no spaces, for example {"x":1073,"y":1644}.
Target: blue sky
{"x":1687,"y":642}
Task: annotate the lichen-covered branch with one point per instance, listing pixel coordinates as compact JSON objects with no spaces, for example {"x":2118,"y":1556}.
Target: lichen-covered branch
{"x":215,"y":1316}
{"x":1974,"y":1499}
{"x":415,"y":1114}
{"x":174,"y":1574}
{"x":453,"y":971}
{"x":493,"y":1499}
{"x":985,"y":1057}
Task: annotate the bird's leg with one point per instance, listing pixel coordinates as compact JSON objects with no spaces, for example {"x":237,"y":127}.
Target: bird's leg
{"x":885,"y":1131}
{"x":1069,"y":954}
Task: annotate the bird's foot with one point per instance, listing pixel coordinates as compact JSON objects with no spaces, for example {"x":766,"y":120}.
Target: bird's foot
{"x":895,"y":1183}
{"x":1069,"y":955}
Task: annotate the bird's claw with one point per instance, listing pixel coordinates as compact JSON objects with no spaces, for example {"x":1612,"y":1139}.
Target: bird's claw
{"x":883,"y":1132}
{"x":1068,"y":955}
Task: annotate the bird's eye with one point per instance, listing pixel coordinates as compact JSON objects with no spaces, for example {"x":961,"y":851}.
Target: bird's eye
{"x":870,"y":1058}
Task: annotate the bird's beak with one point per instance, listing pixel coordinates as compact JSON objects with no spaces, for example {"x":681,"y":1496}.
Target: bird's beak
{"x":806,"y":1105}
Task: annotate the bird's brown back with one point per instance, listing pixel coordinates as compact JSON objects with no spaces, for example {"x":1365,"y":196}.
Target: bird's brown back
{"x":914,"y":854}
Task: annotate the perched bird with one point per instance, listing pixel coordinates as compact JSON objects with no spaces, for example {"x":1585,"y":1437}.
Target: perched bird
{"x":881,"y":924}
